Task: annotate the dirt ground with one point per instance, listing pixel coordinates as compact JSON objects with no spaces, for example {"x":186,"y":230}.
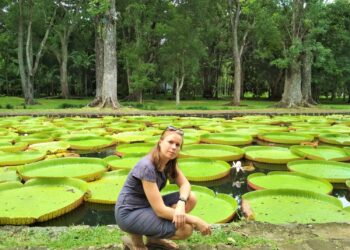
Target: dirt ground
{"x":300,"y":237}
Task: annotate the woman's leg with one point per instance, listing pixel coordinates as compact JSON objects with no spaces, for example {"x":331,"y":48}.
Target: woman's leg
{"x":134,"y":242}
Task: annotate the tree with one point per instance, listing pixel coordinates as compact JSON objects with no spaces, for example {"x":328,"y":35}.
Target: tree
{"x":28,"y":68}
{"x":181,"y":48}
{"x":107,"y":25}
{"x":69,"y":15}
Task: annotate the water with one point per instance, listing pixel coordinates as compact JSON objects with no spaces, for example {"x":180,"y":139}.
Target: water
{"x":235,"y":184}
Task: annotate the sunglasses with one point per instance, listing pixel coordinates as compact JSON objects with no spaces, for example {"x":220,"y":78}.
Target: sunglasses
{"x":172,"y":128}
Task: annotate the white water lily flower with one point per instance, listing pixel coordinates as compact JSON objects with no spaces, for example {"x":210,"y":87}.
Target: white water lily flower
{"x":237,"y":166}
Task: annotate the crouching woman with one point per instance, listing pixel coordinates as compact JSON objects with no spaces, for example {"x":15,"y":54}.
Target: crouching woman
{"x":142,"y":211}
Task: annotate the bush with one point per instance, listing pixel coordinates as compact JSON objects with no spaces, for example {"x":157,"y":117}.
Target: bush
{"x":69,"y":105}
{"x":198,"y":107}
{"x":9,"y":106}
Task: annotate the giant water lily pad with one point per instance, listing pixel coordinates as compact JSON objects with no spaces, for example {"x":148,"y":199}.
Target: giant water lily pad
{"x":83,"y":168}
{"x":212,"y":151}
{"x":125,"y":127}
{"x":6,"y":146}
{"x":127,"y":162}
{"x":128,"y":137}
{"x":7,"y":175}
{"x":106,"y":189}
{"x":335,"y":138}
{"x":227,"y":139}
{"x":333,"y":171}
{"x":197,"y":169}
{"x":208,"y":204}
{"x":36,"y":138}
{"x":270,"y":154}
{"x":282,"y":179}
{"x":285,"y":137}
{"x":321,"y":152}
{"x":39,"y":199}
{"x":135,"y":148}
{"x":90,"y":142}
{"x":22,"y":157}
{"x":280,"y":206}
{"x":51,"y":147}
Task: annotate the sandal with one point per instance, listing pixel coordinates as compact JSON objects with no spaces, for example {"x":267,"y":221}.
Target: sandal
{"x":162,"y":244}
{"x":128,"y":244}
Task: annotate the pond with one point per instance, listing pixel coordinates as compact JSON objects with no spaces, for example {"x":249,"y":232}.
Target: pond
{"x":235,"y":184}
{"x":263,"y":144}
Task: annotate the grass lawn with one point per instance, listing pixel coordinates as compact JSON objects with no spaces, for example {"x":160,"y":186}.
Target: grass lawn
{"x":17,"y":103}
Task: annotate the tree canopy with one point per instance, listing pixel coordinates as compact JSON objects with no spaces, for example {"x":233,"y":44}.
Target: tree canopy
{"x":286,"y":50}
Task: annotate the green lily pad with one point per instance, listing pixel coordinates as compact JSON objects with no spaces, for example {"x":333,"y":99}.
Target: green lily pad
{"x":39,"y":199}
{"x":285,"y":137}
{"x":280,"y":206}
{"x":51,"y":147}
{"x":288,"y":180}
{"x":125,"y":127}
{"x":270,"y":154}
{"x":269,"y":128}
{"x":333,"y":171}
{"x":21,"y":157}
{"x":246,"y":131}
{"x":107,"y":189}
{"x":128,"y":137}
{"x":135,"y":148}
{"x":6,"y":146}
{"x":36,"y":138}
{"x":212,"y":151}
{"x":321,"y":152}
{"x":208,"y":204}
{"x":90,"y":142}
{"x":7,"y":175}
{"x":227,"y":139}
{"x":335,"y":138}
{"x":82,"y":168}
{"x":197,"y":169}
{"x":127,"y":162}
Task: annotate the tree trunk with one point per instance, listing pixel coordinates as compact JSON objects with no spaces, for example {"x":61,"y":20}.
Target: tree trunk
{"x":292,"y":96}
{"x":307,"y":60}
{"x":98,"y":62}
{"x":236,"y":56}
{"x":63,"y":67}
{"x":20,"y":53}
{"x":109,"y":86}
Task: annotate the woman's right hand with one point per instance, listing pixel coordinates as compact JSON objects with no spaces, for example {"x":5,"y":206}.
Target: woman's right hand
{"x":203,"y":227}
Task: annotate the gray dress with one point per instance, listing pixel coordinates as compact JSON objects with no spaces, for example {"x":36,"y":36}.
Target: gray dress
{"x":133,"y":212}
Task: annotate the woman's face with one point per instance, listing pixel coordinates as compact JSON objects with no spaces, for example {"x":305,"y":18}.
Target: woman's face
{"x":170,"y":145}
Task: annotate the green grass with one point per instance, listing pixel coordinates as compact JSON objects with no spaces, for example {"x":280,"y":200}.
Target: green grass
{"x":17,"y":103}
{"x":83,"y":237}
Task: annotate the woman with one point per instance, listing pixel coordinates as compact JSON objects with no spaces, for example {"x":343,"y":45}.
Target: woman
{"x":141,"y":210}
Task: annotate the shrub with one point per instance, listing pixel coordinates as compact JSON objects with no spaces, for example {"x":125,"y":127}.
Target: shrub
{"x":9,"y":106}
{"x":69,"y":105}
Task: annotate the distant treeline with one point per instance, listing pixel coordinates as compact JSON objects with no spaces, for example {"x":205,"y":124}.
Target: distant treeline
{"x":294,"y":50}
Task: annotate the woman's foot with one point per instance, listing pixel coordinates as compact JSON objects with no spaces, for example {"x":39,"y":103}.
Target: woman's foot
{"x":161,"y":243}
{"x":134,"y":242}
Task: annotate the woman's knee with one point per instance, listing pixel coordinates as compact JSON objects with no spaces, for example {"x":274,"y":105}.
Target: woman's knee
{"x":191,"y":202}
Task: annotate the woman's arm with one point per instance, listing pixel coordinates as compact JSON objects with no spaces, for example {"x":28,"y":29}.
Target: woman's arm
{"x":183,"y":184}
{"x":155,"y":199}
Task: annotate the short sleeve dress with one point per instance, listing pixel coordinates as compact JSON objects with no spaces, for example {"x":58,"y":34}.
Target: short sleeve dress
{"x":133,"y":212}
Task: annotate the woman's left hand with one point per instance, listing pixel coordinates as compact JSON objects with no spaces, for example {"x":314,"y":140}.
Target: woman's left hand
{"x":179,"y":215}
